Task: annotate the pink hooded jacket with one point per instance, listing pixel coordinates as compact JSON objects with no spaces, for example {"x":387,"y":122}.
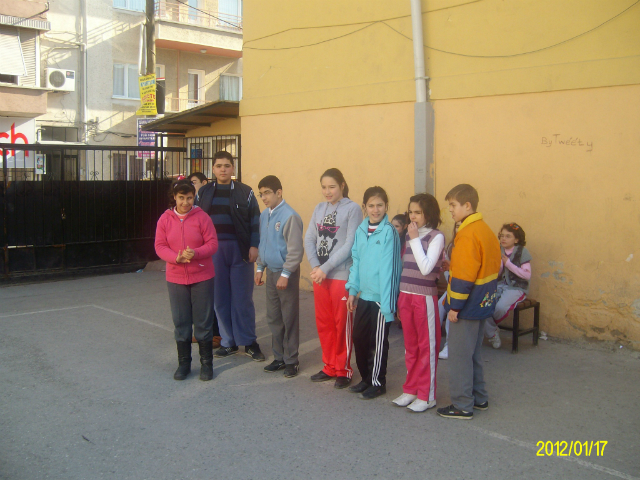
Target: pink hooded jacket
{"x":197,"y":232}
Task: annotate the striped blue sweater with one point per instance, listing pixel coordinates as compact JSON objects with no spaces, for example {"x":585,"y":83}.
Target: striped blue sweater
{"x":377,"y":266}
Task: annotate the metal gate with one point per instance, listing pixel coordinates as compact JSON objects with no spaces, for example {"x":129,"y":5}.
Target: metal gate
{"x":81,"y":208}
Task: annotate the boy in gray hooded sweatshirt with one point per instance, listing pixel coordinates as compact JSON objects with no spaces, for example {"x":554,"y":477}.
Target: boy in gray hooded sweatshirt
{"x":328,"y":244}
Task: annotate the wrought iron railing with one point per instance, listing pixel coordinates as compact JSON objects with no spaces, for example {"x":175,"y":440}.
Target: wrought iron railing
{"x":183,"y":13}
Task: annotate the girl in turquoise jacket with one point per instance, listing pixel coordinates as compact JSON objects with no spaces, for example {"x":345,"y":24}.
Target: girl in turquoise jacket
{"x":375,"y":274}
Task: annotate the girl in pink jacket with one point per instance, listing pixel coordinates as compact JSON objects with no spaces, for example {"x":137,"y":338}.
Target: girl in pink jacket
{"x":186,"y":239}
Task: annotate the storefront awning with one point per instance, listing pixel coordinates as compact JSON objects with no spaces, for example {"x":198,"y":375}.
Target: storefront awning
{"x":196,"y":117}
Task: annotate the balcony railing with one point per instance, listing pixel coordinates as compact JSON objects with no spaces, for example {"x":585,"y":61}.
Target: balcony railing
{"x":180,"y":104}
{"x":181,"y":13}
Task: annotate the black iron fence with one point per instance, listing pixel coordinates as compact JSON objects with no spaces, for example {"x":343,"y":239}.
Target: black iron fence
{"x":82,"y":208}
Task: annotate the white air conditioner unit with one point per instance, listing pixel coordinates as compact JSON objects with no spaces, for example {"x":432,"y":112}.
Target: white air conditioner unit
{"x":60,"y":79}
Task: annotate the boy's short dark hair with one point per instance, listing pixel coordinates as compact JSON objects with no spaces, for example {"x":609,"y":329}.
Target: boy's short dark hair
{"x":200,"y":176}
{"x":223,"y":154}
{"x":272,"y":182}
{"x":430,"y":209}
{"x":464,"y":193}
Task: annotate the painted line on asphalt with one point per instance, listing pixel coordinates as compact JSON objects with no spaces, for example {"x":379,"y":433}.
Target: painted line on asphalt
{"x":167,"y":329}
{"x":531,"y":446}
{"x":44,"y":311}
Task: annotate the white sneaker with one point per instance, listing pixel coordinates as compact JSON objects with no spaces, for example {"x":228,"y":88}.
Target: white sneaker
{"x":495,"y":340}
{"x":404,"y":400}
{"x":444,"y":354}
{"x":420,"y":405}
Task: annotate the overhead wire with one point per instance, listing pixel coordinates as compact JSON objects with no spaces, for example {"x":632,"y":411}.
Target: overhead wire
{"x":207,"y":13}
{"x":442,"y":50}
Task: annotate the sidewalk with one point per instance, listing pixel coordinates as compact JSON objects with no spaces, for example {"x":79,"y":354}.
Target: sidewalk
{"x":86,"y":391}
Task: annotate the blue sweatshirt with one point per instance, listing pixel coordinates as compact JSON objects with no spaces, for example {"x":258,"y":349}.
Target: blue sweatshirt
{"x":280,"y":247}
{"x":377,"y":266}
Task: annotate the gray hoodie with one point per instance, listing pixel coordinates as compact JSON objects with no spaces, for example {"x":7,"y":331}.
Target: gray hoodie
{"x":330,"y":236}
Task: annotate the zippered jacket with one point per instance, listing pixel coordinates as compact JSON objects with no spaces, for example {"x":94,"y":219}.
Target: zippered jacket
{"x":195,"y":231}
{"x":245,"y":213}
{"x":377,"y":266}
{"x":280,"y":247}
{"x":473,"y":275}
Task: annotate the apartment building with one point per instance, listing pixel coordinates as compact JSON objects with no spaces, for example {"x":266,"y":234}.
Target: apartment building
{"x":73,"y":74}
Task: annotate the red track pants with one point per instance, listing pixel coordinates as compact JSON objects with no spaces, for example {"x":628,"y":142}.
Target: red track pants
{"x":335,"y":325}
{"x":421,"y":328}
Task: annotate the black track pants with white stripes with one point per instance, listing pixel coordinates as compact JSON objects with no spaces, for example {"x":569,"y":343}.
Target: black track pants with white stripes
{"x":371,"y":342}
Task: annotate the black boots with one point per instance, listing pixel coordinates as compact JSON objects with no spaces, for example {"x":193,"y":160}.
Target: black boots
{"x":184,"y":360}
{"x":206,"y":360}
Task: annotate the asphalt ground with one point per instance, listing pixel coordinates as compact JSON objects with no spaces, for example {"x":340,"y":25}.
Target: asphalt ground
{"x":86,"y":392}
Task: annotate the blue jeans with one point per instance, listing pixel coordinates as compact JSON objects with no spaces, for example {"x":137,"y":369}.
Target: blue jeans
{"x":233,"y":295}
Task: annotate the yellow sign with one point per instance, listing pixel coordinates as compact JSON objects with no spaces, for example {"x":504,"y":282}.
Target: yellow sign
{"x":147,"y":95}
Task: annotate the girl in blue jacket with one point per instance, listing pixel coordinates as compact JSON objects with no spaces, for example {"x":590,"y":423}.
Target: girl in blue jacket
{"x":375,"y":274}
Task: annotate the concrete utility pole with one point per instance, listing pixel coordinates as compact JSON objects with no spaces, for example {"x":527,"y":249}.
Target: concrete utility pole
{"x":151,"y":37}
{"x":423,"y":113}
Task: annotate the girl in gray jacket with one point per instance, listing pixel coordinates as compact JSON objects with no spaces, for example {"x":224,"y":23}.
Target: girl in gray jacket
{"x":328,"y":243}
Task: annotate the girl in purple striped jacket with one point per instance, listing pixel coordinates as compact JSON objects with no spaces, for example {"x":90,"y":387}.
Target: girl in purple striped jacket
{"x":418,"y":303}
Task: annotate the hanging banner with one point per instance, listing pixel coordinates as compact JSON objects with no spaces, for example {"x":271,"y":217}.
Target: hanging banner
{"x":145,"y":139}
{"x":147,"y":95}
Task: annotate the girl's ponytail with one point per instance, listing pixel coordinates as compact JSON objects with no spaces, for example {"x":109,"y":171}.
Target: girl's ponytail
{"x":338,"y":177}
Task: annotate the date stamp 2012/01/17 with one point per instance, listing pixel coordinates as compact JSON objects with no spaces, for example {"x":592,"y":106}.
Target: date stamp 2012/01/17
{"x":573,"y":448}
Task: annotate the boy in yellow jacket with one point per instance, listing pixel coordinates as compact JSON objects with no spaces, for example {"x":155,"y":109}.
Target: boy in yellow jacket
{"x":471,"y":299}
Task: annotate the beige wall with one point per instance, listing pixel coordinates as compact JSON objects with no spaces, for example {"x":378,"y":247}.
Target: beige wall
{"x":298,"y":147}
{"x":578,"y":204}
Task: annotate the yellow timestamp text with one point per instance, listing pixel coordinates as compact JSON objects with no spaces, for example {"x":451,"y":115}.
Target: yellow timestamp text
{"x":573,"y":448}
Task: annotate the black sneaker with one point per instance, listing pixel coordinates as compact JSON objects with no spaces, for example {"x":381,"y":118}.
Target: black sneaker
{"x":225,"y":352}
{"x":359,"y":388}
{"x":482,"y":406}
{"x":342,"y":382}
{"x":373,"y":392}
{"x":254,"y":352}
{"x":453,"y":412}
{"x":274,"y":366}
{"x":321,"y":377}
{"x":291,"y":370}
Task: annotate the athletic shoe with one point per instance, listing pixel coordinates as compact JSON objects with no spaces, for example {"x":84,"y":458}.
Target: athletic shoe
{"x":321,"y":377}
{"x":373,"y":392}
{"x":225,"y":352}
{"x":482,"y":406}
{"x":421,"y":405}
{"x":254,"y":352}
{"x":342,"y":382}
{"x":359,"y":388}
{"x":404,"y":400}
{"x":495,"y":340}
{"x":444,"y":354}
{"x":274,"y":366}
{"x":291,"y":370}
{"x":453,"y":412}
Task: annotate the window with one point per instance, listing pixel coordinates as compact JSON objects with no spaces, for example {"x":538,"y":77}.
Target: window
{"x":9,"y":79}
{"x":125,"y":81}
{"x":12,"y":59}
{"x":58,"y":134}
{"x":196,"y":88}
{"x":159,"y":71}
{"x":230,"y":88}
{"x":229,"y":13}
{"x":137,"y":5}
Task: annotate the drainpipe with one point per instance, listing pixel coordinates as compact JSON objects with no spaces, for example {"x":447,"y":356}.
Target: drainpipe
{"x":85,"y":69}
{"x":423,"y":111}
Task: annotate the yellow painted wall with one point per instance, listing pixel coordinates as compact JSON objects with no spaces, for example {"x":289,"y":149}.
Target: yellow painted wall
{"x":578,"y":204}
{"x":230,"y":126}
{"x":357,"y":53}
{"x":371,"y":145}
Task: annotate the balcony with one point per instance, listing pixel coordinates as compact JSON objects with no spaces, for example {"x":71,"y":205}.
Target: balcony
{"x":197,"y":14}
{"x":230,"y":89}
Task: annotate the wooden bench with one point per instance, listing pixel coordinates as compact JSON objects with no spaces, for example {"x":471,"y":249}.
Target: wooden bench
{"x":517,"y":331}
